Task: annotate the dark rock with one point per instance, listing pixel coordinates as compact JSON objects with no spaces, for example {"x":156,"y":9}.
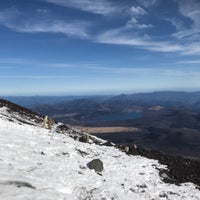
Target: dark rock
{"x":82,"y":167}
{"x":63,"y":127}
{"x":142,"y":186}
{"x":96,"y":164}
{"x":82,"y":153}
{"x":83,"y":139}
{"x":65,"y":154}
{"x":19,"y":184}
{"x":76,"y":137}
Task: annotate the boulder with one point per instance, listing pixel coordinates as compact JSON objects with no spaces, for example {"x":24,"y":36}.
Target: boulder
{"x":84,"y":138}
{"x":96,"y":164}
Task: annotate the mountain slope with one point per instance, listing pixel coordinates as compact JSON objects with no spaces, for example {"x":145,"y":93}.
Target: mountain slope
{"x":37,"y":163}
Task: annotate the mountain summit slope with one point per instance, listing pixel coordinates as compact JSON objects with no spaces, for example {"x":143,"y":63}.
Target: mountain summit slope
{"x":37,"y":163}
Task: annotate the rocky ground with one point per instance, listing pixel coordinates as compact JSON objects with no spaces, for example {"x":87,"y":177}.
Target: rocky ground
{"x":180,"y":170}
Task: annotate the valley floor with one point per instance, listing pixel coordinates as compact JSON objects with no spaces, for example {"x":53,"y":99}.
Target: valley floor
{"x":114,"y":129}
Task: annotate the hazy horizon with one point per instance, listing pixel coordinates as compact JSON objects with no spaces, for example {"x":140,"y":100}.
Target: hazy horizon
{"x":99,"y":94}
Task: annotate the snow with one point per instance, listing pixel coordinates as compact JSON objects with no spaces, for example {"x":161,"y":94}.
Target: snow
{"x":38,"y":164}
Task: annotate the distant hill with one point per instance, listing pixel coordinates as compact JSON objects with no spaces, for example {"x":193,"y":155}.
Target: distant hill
{"x":91,"y":107}
{"x":190,"y":100}
{"x":33,"y":101}
{"x":163,"y":98}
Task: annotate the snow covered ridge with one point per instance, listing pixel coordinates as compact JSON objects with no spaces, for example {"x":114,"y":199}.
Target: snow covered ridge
{"x":14,"y":112}
{"x":39,"y":164}
{"x":21,"y":114}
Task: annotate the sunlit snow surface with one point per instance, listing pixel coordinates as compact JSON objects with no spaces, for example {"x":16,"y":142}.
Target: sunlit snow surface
{"x":55,"y":167}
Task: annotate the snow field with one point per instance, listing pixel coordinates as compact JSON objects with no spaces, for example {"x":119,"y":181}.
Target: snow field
{"x":36,"y":164}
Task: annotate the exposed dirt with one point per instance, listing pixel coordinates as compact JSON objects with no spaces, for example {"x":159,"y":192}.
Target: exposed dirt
{"x":115,"y":129}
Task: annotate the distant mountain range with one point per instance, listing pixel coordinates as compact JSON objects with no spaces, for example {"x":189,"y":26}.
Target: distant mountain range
{"x":32,"y":101}
{"x":164,"y":98}
{"x":91,"y":107}
{"x":167,"y":121}
{"x":176,"y":99}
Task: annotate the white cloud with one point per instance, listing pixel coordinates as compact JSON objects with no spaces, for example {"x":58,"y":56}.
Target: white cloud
{"x":16,"y":21}
{"x":133,"y":33}
{"x":101,"y":7}
{"x":189,"y":9}
{"x":189,"y":62}
{"x":146,"y":71}
{"x":119,"y":37}
{"x":137,"y":11}
{"x":133,"y":23}
{"x":130,"y":35}
{"x":147,"y":3}
{"x":178,"y":24}
{"x":75,"y":29}
{"x":190,"y":34}
{"x":192,"y":49}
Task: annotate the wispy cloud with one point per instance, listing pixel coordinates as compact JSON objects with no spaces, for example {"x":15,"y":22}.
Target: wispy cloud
{"x":102,"y":7}
{"x":12,"y":60}
{"x":19,"y":22}
{"x":130,"y":33}
{"x":190,"y":9}
{"x":177,"y":23}
{"x":147,"y":71}
{"x":75,"y":29}
{"x":134,"y":70}
{"x":161,"y":69}
{"x":147,"y":3}
{"x":133,"y":23}
{"x":189,"y":62}
{"x":97,"y":68}
{"x":135,"y":32}
{"x":37,"y":77}
{"x":136,"y":12}
{"x":17,"y":62}
{"x":120,"y":37}
{"x":192,"y":48}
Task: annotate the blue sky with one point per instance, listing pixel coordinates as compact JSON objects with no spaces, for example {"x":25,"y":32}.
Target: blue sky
{"x":69,"y":47}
